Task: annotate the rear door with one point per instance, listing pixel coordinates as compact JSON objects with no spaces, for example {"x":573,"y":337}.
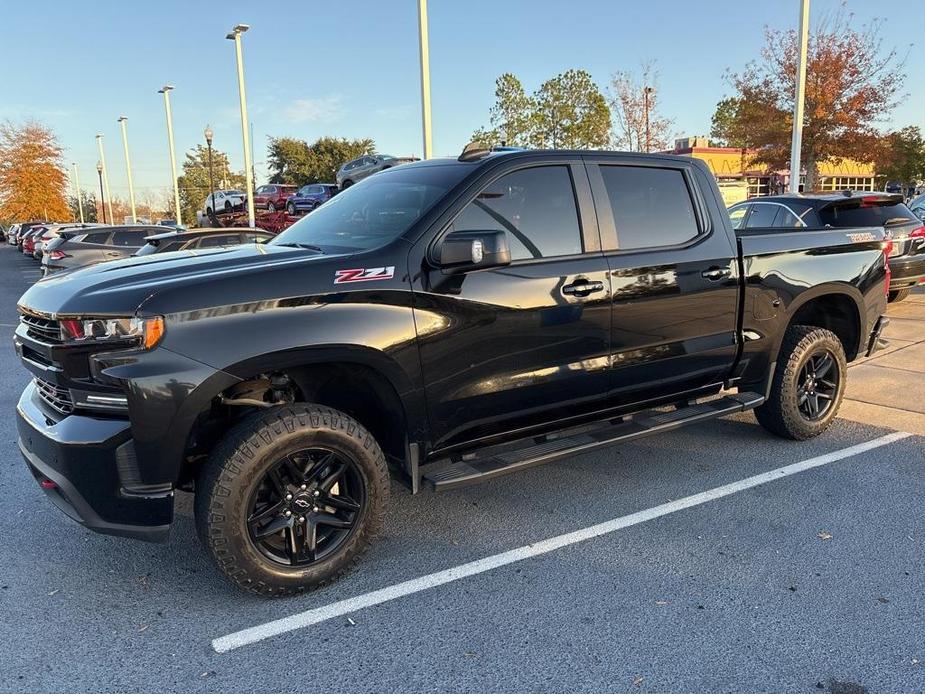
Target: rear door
{"x":124,"y":242}
{"x":528,"y":343}
{"x":674,"y":277}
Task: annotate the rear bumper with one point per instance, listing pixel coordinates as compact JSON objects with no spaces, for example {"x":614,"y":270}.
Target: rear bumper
{"x":906,"y":272}
{"x":81,"y":461}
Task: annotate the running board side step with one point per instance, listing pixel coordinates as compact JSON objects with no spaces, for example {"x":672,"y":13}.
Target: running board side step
{"x":513,"y":458}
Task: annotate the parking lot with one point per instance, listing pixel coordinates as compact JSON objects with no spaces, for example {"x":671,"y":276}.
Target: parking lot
{"x":714,"y":558}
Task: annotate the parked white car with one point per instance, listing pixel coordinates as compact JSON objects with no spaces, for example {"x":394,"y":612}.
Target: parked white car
{"x":223,"y":201}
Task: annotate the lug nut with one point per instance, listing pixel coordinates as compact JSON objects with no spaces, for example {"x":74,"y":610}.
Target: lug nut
{"x":302,"y":518}
{"x":303,"y":487}
{"x":316,"y":492}
{"x":288,"y":513}
{"x":315,"y":509}
{"x":289,"y":497}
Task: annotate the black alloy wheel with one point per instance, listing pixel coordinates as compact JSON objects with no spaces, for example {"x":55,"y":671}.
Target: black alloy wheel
{"x":306,"y":507}
{"x":818,"y":386}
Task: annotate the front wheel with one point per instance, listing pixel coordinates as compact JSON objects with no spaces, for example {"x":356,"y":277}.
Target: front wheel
{"x":291,"y":499}
{"x":808,"y":384}
{"x":897,"y":295}
{"x":271,"y":207}
{"x":290,"y":208}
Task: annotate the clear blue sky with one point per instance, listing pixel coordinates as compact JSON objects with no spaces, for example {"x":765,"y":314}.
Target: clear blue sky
{"x":350,"y":67}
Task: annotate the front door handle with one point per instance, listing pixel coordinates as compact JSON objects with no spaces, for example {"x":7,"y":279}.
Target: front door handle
{"x":582,"y":288}
{"x":716,"y":273}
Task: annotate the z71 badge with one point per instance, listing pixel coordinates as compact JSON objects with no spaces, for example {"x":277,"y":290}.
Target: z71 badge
{"x":364,"y":274}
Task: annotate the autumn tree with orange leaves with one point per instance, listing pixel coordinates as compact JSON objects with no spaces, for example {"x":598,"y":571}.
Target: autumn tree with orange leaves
{"x":852,"y":83}
{"x":32,"y":178}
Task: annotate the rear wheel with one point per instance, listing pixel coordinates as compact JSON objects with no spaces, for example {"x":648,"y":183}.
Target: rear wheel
{"x":228,"y":206}
{"x":290,"y":208}
{"x":808,"y":384}
{"x":897,"y":295}
{"x":346,"y":184}
{"x":291,"y":499}
{"x":271,"y":207}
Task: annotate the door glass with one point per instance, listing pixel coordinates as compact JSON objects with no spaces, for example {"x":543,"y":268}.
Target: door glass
{"x":99,"y":238}
{"x":785,"y":219}
{"x":761,"y":215}
{"x":737,"y":215}
{"x":535,"y":207}
{"x":218,"y":240}
{"x":134,"y":237}
{"x":651,"y":206}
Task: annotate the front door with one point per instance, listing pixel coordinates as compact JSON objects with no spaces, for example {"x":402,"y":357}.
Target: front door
{"x":525,"y":344}
{"x":674,"y":277}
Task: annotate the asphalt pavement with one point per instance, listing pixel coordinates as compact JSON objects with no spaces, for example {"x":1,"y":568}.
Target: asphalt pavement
{"x":807,"y":582}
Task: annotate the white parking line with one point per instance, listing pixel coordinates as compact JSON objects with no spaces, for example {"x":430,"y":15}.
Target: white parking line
{"x":260,"y":632}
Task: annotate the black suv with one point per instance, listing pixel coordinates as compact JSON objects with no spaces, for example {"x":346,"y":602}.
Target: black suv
{"x":441,"y":323}
{"x":847,"y":209}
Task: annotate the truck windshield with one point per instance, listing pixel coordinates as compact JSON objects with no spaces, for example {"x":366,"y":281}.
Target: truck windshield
{"x":375,"y":211}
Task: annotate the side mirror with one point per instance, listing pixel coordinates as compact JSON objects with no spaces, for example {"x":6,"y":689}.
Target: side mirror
{"x":474,"y":250}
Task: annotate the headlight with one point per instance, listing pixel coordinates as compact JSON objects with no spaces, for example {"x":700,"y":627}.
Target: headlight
{"x":145,"y":331}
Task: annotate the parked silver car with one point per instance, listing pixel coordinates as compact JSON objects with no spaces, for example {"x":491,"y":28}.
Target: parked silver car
{"x":91,"y":246}
{"x":358,"y":169}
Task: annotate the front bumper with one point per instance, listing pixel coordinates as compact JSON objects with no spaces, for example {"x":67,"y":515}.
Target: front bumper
{"x":87,"y":467}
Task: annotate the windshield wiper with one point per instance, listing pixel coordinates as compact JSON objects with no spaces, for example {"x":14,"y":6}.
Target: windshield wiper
{"x":308,"y":246}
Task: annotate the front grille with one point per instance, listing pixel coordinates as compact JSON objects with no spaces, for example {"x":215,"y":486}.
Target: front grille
{"x":55,"y":397}
{"x":43,"y":329}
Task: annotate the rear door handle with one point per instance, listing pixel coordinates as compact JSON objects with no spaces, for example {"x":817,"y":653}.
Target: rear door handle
{"x":716,"y":273}
{"x":582,"y":288}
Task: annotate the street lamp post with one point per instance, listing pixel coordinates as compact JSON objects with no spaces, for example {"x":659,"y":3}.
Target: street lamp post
{"x":646,"y":92}
{"x":235,"y":35}
{"x":128,"y":168}
{"x":80,"y":200}
{"x":425,"y":77}
{"x":165,"y":90}
{"x":208,"y":133}
{"x":102,"y":165}
{"x":796,"y":143}
{"x":99,"y":172}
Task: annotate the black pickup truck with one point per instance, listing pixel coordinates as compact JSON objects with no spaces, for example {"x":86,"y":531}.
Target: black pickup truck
{"x":442,"y":323}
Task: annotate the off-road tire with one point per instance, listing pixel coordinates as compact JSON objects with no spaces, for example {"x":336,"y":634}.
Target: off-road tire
{"x":237,"y":465}
{"x":780,"y":414}
{"x":897,"y":295}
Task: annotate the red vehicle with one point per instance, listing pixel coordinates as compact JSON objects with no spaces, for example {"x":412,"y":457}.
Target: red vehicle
{"x":273,"y":196}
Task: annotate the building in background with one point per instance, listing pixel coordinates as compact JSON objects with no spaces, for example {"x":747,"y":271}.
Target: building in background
{"x":740,"y":178}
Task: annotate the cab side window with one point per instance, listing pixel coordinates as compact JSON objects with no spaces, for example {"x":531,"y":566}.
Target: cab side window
{"x":737,"y":216}
{"x":651,"y":206}
{"x":761,"y":215}
{"x":535,"y":207}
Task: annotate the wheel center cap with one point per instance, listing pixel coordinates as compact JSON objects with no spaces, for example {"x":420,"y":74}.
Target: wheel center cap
{"x":303,"y":502}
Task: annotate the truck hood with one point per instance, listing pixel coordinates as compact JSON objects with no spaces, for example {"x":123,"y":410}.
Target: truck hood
{"x":121,"y":287}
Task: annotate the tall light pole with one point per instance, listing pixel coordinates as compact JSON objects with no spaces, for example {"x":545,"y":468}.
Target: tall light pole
{"x":646,"y":92}
{"x":99,"y":172}
{"x":208,"y":133}
{"x":425,"y":77}
{"x":235,"y":35}
{"x":80,"y":199}
{"x":128,"y":168}
{"x":102,"y":164}
{"x":797,"y":141}
{"x":165,"y":90}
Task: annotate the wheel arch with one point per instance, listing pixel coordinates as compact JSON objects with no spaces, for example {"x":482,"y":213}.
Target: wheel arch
{"x":360,"y":381}
{"x":835,"y":307}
